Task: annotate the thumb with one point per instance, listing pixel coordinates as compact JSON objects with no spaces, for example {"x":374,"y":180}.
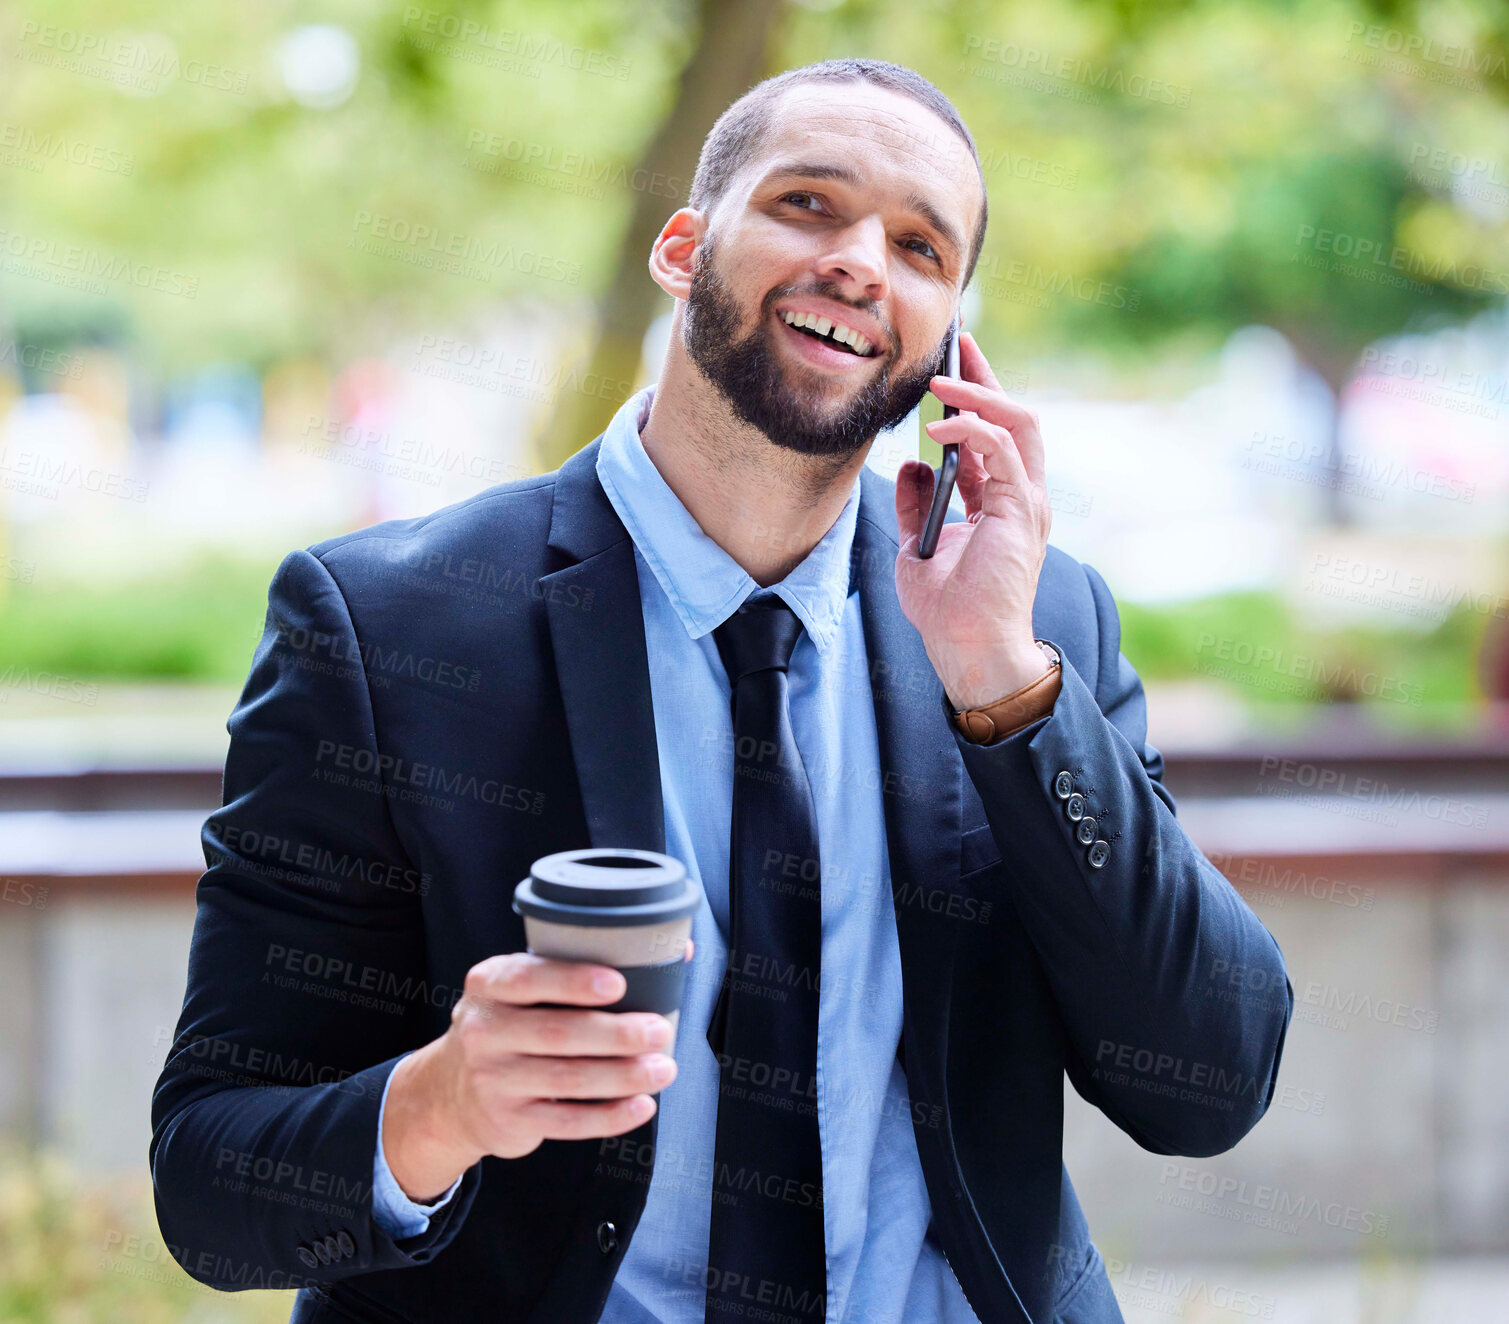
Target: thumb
{"x":914,"y":495}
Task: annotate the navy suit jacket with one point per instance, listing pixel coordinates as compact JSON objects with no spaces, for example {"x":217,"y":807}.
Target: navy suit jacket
{"x":437,"y":702}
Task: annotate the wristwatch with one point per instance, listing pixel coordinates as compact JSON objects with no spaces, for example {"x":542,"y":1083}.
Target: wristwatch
{"x":989,"y":722}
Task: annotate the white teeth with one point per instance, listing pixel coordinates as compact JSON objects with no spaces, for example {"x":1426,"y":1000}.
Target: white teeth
{"x":835,"y":330}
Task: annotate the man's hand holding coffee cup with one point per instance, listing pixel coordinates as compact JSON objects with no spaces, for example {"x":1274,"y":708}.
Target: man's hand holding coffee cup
{"x":499,"y":1080}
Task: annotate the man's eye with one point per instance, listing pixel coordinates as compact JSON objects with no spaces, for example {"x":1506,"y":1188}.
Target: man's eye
{"x":930,"y":252}
{"x":788,"y":196}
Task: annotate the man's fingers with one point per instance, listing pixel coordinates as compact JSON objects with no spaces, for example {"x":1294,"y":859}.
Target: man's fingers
{"x":585,"y":1077}
{"x":585,"y":1121}
{"x":569,"y":1033}
{"x":994,"y":406}
{"x":994,"y":447}
{"x":521,"y":978}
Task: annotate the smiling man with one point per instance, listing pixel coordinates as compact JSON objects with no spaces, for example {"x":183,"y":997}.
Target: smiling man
{"x":941,"y":869}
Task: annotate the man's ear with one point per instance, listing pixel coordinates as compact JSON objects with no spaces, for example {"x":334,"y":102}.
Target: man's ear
{"x":673,"y":256}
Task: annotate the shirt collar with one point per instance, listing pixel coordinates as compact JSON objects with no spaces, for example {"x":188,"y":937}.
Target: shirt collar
{"x":703,"y":583}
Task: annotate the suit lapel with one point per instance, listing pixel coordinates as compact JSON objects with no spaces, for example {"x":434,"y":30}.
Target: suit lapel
{"x":597,"y":633}
{"x":921,"y":774}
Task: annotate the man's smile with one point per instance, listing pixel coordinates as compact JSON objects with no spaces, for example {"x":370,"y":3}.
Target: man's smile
{"x":822,"y":350}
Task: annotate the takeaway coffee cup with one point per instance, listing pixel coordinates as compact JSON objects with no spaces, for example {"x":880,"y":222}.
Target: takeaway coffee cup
{"x":631,"y":909}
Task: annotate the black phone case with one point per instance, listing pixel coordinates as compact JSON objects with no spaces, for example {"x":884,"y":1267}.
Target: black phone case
{"x":943,"y":484}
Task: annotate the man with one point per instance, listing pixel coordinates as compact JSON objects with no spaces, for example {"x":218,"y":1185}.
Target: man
{"x":940,"y":865}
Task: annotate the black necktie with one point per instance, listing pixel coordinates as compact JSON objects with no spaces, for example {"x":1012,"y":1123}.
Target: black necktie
{"x":765,"y":1245}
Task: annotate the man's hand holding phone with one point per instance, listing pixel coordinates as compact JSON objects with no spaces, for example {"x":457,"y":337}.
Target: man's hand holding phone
{"x":508,"y":1073}
{"x":972,"y":600}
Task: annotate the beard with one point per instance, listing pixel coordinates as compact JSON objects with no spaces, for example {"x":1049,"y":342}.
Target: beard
{"x":767,"y":395}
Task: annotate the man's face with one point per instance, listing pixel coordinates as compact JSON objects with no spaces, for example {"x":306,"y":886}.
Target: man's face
{"x":881,"y":251}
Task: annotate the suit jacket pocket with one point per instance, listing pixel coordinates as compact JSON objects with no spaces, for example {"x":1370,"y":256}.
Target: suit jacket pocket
{"x":977,"y":851}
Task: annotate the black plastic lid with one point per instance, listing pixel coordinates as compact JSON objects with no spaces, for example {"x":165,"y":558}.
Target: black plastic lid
{"x":602,"y":887}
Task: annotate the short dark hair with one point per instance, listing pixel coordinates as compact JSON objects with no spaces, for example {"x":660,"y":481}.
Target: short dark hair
{"x":741,"y":128}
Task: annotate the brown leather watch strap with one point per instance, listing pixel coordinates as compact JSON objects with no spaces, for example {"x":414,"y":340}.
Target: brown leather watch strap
{"x":987,"y":723}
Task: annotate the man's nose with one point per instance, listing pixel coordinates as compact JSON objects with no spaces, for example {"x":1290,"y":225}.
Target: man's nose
{"x":859,"y":258}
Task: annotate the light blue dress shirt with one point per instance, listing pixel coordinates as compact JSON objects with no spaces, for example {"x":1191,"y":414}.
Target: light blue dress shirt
{"x":883,"y":1267}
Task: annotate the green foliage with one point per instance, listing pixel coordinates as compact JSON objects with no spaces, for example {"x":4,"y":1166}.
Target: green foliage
{"x":77,"y":1254}
{"x":1253,"y":644}
{"x":202,"y":625}
{"x":1262,"y":118}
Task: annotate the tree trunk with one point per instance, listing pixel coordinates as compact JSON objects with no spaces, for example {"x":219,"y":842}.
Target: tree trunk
{"x":729,"y":60}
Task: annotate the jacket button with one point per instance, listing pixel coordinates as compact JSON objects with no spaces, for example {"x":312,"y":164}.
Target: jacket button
{"x":1099,"y":853}
{"x":323,"y":1251}
{"x":1085,"y":832}
{"x":1063,"y":786}
{"x":308,"y":1257}
{"x":607,"y":1237}
{"x":1074,"y":806}
{"x":348,"y":1247}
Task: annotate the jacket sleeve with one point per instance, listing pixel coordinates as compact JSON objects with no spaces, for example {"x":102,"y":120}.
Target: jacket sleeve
{"x":1174,"y":995}
{"x":307,"y":979}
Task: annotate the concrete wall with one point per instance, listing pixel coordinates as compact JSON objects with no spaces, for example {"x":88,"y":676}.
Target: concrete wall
{"x":1389,"y":1134}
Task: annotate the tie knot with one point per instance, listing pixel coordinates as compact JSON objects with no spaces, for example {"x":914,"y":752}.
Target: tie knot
{"x":757,"y":637}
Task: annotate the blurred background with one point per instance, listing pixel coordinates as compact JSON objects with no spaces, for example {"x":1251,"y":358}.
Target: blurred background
{"x":272,"y":272}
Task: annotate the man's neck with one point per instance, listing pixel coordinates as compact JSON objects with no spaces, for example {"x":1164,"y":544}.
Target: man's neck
{"x":764,"y":505}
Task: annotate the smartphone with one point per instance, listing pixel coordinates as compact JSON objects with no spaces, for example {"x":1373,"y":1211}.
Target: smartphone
{"x":943,"y":484}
